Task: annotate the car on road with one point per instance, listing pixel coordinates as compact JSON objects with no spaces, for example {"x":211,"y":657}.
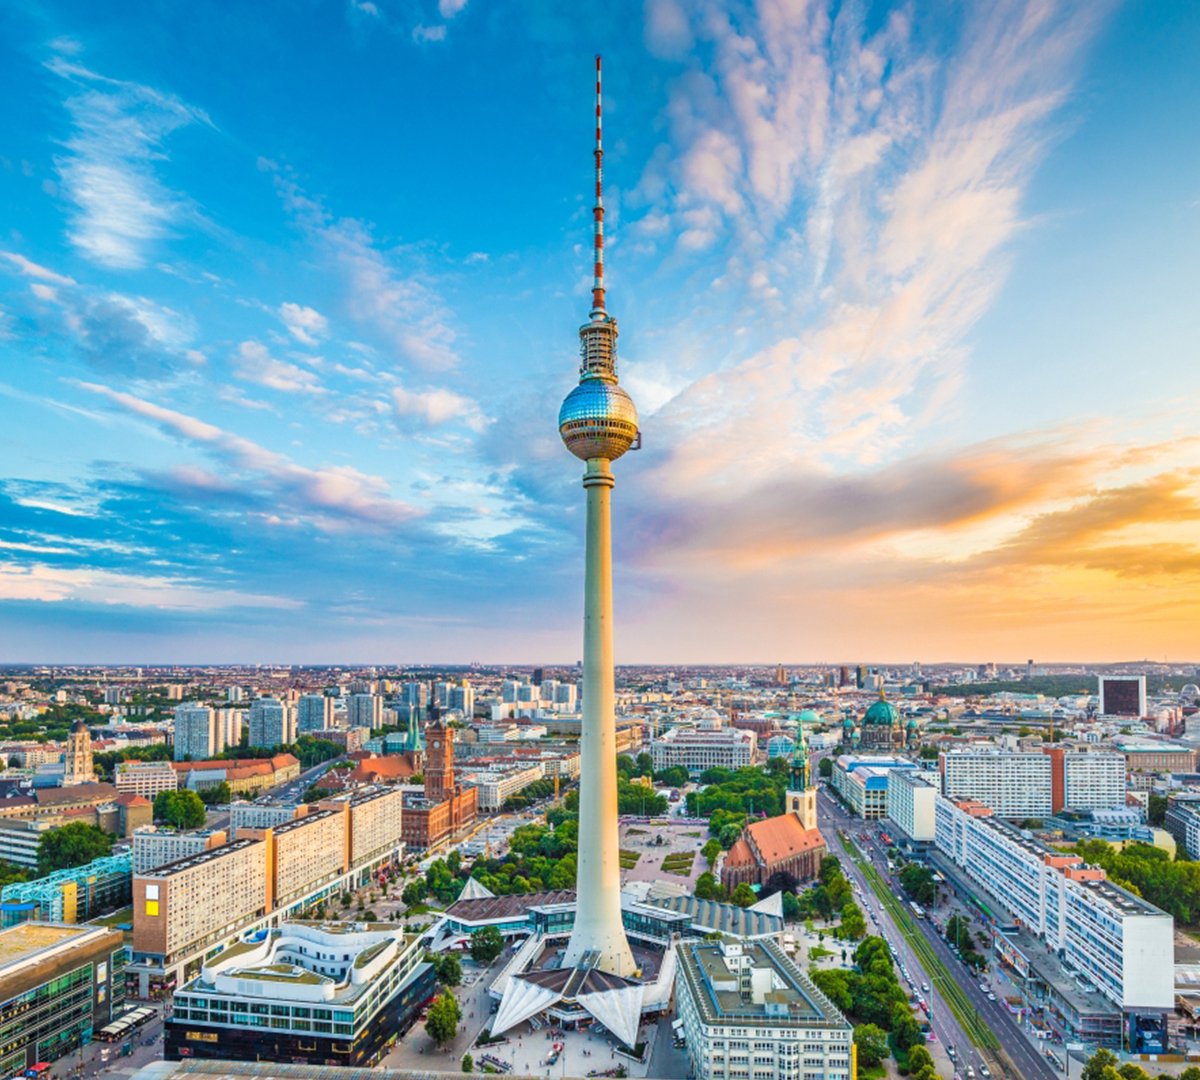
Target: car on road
{"x":925,"y":988}
{"x":991,"y":996}
{"x":985,"y":1072}
{"x":970,"y":1072}
{"x":951,"y":1051}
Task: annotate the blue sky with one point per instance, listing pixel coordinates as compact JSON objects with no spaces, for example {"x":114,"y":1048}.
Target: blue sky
{"x":289,"y":296}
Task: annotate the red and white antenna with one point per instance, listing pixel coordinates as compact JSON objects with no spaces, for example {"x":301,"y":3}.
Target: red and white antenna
{"x":598,"y":211}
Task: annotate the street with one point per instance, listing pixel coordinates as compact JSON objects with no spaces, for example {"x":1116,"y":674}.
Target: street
{"x":1030,"y":1065}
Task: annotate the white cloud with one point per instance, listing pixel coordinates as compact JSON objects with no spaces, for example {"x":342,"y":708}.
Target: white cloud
{"x":33,"y":270}
{"x":331,"y":496}
{"x":255,"y":364}
{"x":447,"y":9}
{"x":865,"y":184}
{"x":122,"y":209}
{"x":429,"y":33}
{"x":57,"y":584}
{"x":438,"y":406}
{"x":304,"y":323}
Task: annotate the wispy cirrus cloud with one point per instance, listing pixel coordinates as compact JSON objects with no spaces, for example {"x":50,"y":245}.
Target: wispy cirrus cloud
{"x":331,"y":497}
{"x":108,"y":165}
{"x":305,"y":324}
{"x":399,"y":306}
{"x":862,"y":186}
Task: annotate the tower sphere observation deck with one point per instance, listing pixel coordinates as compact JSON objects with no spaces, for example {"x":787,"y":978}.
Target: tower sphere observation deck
{"x":598,"y":420}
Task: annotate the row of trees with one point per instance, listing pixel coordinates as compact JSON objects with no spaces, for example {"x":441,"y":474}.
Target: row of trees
{"x":643,"y":765}
{"x":958,"y":934}
{"x":872,"y":998}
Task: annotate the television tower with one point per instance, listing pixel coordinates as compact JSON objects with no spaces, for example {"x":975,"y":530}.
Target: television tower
{"x":598,"y":422}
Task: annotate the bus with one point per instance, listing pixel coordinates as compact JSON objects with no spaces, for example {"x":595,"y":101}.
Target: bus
{"x":125,"y":1026}
{"x":917,"y":910}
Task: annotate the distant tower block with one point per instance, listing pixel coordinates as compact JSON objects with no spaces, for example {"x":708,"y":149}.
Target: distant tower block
{"x":598,"y":422}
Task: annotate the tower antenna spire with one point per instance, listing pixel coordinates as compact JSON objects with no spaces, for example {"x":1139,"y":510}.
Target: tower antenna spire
{"x":598,"y":209}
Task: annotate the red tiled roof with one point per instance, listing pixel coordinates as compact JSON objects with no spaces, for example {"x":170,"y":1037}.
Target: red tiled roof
{"x":739,"y":855}
{"x":782,"y":837}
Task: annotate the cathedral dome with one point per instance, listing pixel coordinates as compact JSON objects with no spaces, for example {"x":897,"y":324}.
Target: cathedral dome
{"x":881,"y":714}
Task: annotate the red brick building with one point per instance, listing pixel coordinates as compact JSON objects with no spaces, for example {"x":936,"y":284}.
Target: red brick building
{"x":444,"y":806}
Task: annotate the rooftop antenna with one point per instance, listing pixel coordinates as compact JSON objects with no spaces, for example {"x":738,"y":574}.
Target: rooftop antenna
{"x":598,"y":211}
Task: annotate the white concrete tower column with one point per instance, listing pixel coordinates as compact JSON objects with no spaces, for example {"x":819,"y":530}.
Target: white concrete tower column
{"x":598,"y":926}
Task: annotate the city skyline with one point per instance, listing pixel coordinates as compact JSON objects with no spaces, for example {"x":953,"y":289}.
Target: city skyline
{"x":286,"y":305}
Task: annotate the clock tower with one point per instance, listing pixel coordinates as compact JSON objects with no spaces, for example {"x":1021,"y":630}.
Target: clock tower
{"x":439,"y":761}
{"x":801,"y":795}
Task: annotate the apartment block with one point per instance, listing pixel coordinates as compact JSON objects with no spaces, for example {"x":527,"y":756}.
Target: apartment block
{"x":1101,"y":935}
{"x":912,"y":804}
{"x":189,"y":905}
{"x":155,"y":846}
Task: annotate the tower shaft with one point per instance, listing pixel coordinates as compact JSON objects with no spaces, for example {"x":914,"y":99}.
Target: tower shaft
{"x":598,"y":927}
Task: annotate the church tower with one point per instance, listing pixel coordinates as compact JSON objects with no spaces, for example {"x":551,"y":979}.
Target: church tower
{"x":801,"y":794}
{"x":77,"y":761}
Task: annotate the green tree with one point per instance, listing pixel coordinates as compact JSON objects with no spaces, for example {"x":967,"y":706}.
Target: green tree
{"x":468,"y":1063}
{"x":179,"y":809}
{"x":217,"y":796}
{"x":1156,"y":812}
{"x":674,"y":776}
{"x":1097,"y":1063}
{"x":793,"y":910}
{"x":872,"y":1044}
{"x":743,"y":895}
{"x":486,"y":944}
{"x":917,"y":881}
{"x":825,"y":768}
{"x":709,"y":888}
{"x":71,"y":845}
{"x":448,"y":967}
{"x":854,"y":923}
{"x":443,"y":1019}
{"x":710,"y":851}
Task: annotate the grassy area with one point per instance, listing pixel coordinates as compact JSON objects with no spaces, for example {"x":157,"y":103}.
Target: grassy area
{"x":964,"y":1012}
{"x":629,"y":859}
{"x":679,"y":863}
{"x":125,"y":915}
{"x":635,"y":832}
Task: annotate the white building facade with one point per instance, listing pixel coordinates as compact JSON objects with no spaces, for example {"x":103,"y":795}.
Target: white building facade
{"x":697,"y":749}
{"x":912,"y":803}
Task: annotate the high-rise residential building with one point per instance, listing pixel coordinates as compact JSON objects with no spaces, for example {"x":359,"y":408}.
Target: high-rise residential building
{"x":364,"y":710}
{"x":284,"y":863}
{"x":175,"y":692}
{"x":77,"y":761}
{"x":417,"y":693}
{"x":912,"y":804}
{"x":154,"y":846}
{"x":508,"y":690}
{"x":314,"y":712}
{"x":748,"y":1010}
{"x":272,"y":723}
{"x":114,"y":695}
{"x":565,"y":696}
{"x":1036,"y":783}
{"x":462,"y":698}
{"x":1122,"y":695}
{"x":539,"y":676}
{"x":198,"y":736}
{"x":234,"y":694}
{"x":1074,"y":919}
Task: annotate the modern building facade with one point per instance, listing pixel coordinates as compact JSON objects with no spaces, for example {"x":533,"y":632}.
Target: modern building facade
{"x":314,"y":712}
{"x":364,"y":710}
{"x":157,"y":845}
{"x":748,"y":1011}
{"x":1122,"y":695}
{"x":862,"y":782}
{"x":324,"y":995}
{"x":145,"y":778}
{"x":72,"y":895}
{"x":58,"y":984}
{"x":1036,"y":783}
